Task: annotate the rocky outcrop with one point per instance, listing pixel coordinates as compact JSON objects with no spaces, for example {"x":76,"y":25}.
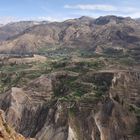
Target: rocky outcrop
{"x":7,"y":133}
{"x":34,"y":111}
{"x":27,"y":109}
{"x":115,"y":114}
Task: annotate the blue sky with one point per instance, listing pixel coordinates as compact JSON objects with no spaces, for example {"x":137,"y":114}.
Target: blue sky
{"x":58,"y":10}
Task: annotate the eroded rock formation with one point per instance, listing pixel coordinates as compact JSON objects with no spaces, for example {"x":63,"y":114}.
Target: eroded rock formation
{"x":34,"y":111}
{"x":7,"y":133}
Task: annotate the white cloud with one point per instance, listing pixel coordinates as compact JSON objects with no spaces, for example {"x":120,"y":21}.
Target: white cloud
{"x":82,"y":10}
{"x":128,"y":10}
{"x":92,"y":7}
{"x":48,"y":18}
{"x":7,"y":19}
{"x":134,"y":15}
{"x":85,"y":9}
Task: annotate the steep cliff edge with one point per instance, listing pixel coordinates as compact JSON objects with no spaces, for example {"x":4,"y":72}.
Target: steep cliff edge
{"x":7,"y":133}
{"x":57,"y":107}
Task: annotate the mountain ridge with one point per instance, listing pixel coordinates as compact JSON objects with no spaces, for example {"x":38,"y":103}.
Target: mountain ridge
{"x":85,"y":32}
{"x":13,"y":28}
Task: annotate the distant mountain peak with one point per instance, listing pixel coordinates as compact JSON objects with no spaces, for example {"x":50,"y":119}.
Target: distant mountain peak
{"x":86,"y":18}
{"x":106,"y":19}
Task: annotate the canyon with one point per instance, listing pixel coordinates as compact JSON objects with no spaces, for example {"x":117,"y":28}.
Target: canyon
{"x":72,"y":80}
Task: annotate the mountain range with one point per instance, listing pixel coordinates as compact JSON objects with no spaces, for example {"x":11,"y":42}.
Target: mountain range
{"x":73,"y":80}
{"x":99,"y":35}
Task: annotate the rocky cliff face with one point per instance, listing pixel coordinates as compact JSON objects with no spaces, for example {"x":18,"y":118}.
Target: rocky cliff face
{"x":46,"y":110}
{"x":7,"y":133}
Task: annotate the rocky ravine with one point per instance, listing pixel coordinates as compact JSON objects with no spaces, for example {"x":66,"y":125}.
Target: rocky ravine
{"x":34,"y":111}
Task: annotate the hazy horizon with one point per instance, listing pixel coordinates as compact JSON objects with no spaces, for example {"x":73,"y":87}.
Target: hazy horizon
{"x":59,"y":10}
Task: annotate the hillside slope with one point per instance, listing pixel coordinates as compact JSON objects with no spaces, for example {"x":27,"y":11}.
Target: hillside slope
{"x":12,"y":29}
{"x":100,"y":35}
